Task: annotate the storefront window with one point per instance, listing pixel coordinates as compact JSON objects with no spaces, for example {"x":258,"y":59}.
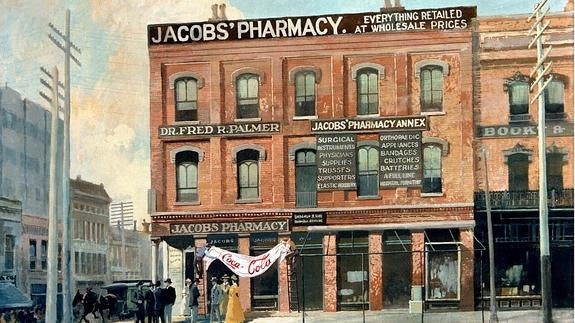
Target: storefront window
{"x":442,"y":270}
{"x":309,"y":271}
{"x":397,"y":268}
{"x":352,"y":270}
{"x":265,"y":286}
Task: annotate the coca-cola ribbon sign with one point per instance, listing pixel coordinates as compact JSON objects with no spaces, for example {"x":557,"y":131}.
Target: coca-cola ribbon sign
{"x":247,"y":266}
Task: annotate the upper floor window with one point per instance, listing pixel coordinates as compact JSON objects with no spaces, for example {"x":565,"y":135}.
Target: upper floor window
{"x":9,"y":246}
{"x":431,"y":169}
{"x":554,"y":171}
{"x":519,"y":98}
{"x":554,"y":99}
{"x":431,"y":88}
{"x":368,"y":171}
{"x":248,"y":174}
{"x":306,"y":178}
{"x":247,"y":96}
{"x":32,"y":254}
{"x":187,"y":176}
{"x":305,"y":93}
{"x":44,"y":254}
{"x":367,"y":91}
{"x":518,"y":165}
{"x":186,"y":91}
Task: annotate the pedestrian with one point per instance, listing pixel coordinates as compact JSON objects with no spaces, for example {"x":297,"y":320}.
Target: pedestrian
{"x":199,"y":260}
{"x":235,"y":313}
{"x":89,"y":302}
{"x":169,"y":298}
{"x":159,"y":303}
{"x":215,"y":300}
{"x":186,"y":297}
{"x":150,"y":303}
{"x":225,"y":287}
{"x":194,"y":295}
{"x":139,"y":299}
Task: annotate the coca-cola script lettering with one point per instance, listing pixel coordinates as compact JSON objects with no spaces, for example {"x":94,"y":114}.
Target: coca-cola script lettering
{"x":258,"y":265}
{"x":230,"y":261}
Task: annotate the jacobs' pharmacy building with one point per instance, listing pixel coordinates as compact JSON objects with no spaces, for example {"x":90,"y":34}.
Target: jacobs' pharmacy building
{"x":350,"y":134}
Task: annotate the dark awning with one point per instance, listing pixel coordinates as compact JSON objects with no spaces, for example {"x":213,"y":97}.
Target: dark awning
{"x":11,"y":297}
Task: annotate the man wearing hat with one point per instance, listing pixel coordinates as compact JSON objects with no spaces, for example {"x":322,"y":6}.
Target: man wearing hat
{"x":158,"y":304}
{"x":194,"y":295}
{"x":215,"y":299}
{"x":139,"y":299}
{"x":169,"y":300}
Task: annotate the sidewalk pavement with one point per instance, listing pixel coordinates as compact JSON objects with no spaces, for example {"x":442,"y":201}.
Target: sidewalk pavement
{"x":398,"y":316}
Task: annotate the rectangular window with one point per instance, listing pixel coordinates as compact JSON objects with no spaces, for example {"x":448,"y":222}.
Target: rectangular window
{"x":247,"y":96}
{"x":43,"y":254}
{"x":9,"y":246}
{"x":32,"y":254}
{"x":186,"y":99}
{"x":305,"y":94}
{"x":431,"y":88}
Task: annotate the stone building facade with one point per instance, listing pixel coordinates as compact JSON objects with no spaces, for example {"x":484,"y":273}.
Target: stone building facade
{"x":357,"y":145}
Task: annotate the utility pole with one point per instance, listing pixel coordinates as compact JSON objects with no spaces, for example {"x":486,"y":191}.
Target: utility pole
{"x":541,"y":70}
{"x":52,"y":271}
{"x":66,"y":223}
{"x":492,"y":298}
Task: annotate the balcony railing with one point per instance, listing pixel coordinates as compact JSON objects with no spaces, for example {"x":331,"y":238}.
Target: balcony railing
{"x":502,"y":200}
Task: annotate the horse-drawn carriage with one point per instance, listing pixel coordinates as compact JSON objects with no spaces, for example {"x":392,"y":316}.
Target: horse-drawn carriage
{"x":124,"y":291}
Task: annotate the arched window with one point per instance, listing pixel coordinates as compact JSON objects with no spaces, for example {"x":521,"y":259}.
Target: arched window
{"x":247,"y":95}
{"x":187,"y":176}
{"x":186,"y":91}
{"x":368,"y":171}
{"x":431,"y":88}
{"x":306,"y":178}
{"x":248,"y":174}
{"x":367,"y":91}
{"x":305,"y":93}
{"x":554,"y":99}
{"x":431,"y":169}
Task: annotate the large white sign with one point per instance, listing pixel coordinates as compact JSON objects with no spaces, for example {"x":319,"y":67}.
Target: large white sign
{"x":244,"y":265}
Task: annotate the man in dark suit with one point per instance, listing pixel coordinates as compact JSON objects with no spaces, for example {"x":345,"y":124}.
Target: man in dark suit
{"x":169,"y":299}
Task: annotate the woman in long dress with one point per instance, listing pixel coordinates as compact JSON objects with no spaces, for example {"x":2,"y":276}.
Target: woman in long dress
{"x":235,"y":313}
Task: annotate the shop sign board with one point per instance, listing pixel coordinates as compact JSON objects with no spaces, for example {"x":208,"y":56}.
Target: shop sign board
{"x":236,"y":129}
{"x":552,"y":129}
{"x":453,"y":18}
{"x":308,"y":218}
{"x":336,"y":162}
{"x":400,"y":159}
{"x":231,"y":227}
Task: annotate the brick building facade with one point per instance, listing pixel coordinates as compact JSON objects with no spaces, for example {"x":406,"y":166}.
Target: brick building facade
{"x":507,"y":128}
{"x":351,"y":142}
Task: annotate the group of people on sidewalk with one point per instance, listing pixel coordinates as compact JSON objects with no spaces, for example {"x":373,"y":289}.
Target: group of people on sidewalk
{"x":155,"y":303}
{"x":224,"y":301}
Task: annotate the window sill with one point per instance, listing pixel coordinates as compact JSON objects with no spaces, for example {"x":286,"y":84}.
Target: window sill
{"x":187,"y":203}
{"x":369,"y":197}
{"x":305,"y":118}
{"x":367,"y":116}
{"x":187,"y":122}
{"x":248,"y":120}
{"x":439,"y":194}
{"x":247,"y":201}
{"x":433,"y":113}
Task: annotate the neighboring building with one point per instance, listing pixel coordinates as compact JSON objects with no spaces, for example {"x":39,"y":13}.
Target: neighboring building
{"x":129,"y":254}
{"x":356,"y":144}
{"x":90,"y":206}
{"x":122,"y":213}
{"x":11,"y":259}
{"x":507,"y":127}
{"x":24,"y":176}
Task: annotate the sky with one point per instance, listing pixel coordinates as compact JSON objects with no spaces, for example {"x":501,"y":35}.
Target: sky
{"x":109,"y":91}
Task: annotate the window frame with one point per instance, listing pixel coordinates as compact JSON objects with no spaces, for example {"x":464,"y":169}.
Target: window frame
{"x":9,"y":251}
{"x":366,"y":170}
{"x":555,"y":110}
{"x":304,"y":166}
{"x":518,"y":172}
{"x":245,"y":110}
{"x":309,"y":101}
{"x":248,"y":161}
{"x":432,"y":184}
{"x":187,"y":160}
{"x":368,"y":76}
{"x":186,"y":113}
{"x":435,"y":73}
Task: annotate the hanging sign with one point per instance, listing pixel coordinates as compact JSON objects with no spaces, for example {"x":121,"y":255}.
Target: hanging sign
{"x":244,"y":265}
